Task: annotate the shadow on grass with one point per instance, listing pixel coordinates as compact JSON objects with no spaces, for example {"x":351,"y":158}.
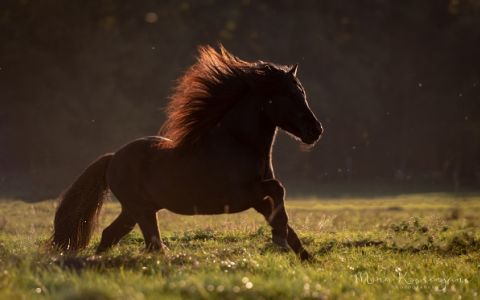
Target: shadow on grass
{"x":458,"y":244}
{"x":207,"y":245}
{"x":189,"y":248}
{"x":237,"y":256}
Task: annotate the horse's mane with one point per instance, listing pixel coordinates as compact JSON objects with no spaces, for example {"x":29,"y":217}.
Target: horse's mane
{"x":207,"y":90}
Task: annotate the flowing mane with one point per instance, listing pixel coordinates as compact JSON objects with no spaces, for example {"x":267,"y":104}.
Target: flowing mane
{"x":202,"y":96}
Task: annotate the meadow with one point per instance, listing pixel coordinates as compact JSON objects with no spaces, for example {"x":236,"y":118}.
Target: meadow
{"x":395,"y":247}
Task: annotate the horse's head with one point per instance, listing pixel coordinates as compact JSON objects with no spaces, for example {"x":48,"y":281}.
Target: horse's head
{"x":285,"y":104}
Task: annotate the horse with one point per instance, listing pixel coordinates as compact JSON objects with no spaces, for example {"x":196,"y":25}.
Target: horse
{"x":213,"y":155}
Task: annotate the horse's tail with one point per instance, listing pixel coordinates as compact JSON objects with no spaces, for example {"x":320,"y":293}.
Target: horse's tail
{"x":80,"y":204}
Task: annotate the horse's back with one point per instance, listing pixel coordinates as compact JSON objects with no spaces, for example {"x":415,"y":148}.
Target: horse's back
{"x":129,"y":166}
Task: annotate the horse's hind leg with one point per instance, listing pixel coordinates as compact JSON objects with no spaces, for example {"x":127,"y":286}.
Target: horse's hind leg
{"x":149,"y":227}
{"x":111,"y":235}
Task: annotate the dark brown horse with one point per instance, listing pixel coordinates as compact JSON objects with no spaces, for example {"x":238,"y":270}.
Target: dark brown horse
{"x":215,"y":157}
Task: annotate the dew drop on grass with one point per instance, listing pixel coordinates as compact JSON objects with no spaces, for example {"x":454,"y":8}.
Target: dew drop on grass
{"x":38,"y":290}
{"x":249,"y":285}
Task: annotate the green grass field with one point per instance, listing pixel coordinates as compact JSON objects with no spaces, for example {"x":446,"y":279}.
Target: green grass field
{"x":416,"y":246}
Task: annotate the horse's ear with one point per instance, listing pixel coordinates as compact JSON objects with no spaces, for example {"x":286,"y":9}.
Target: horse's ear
{"x":293,"y":70}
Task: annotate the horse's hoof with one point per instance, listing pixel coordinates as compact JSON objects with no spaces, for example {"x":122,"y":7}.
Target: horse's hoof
{"x":305,"y":256}
{"x":164,"y":248}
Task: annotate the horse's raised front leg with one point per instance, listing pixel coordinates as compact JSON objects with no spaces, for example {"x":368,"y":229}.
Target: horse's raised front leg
{"x":272,"y":207}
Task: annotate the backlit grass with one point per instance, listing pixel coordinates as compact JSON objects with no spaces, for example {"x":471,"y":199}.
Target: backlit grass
{"x":416,"y":246}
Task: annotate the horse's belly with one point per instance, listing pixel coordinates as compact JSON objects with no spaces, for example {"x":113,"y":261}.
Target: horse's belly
{"x":187,"y":208}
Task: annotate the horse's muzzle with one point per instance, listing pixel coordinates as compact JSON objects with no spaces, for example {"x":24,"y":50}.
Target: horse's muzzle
{"x":312,"y":134}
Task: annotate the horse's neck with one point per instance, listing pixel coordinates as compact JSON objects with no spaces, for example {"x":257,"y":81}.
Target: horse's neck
{"x":247,"y":123}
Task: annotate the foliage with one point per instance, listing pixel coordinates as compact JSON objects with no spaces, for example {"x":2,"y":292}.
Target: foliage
{"x":395,"y":83}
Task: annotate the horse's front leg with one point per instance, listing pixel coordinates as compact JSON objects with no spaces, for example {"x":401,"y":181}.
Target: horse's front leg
{"x":296,"y":245}
{"x":272,"y":207}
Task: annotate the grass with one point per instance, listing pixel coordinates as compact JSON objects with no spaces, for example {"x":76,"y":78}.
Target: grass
{"x":416,"y":246}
